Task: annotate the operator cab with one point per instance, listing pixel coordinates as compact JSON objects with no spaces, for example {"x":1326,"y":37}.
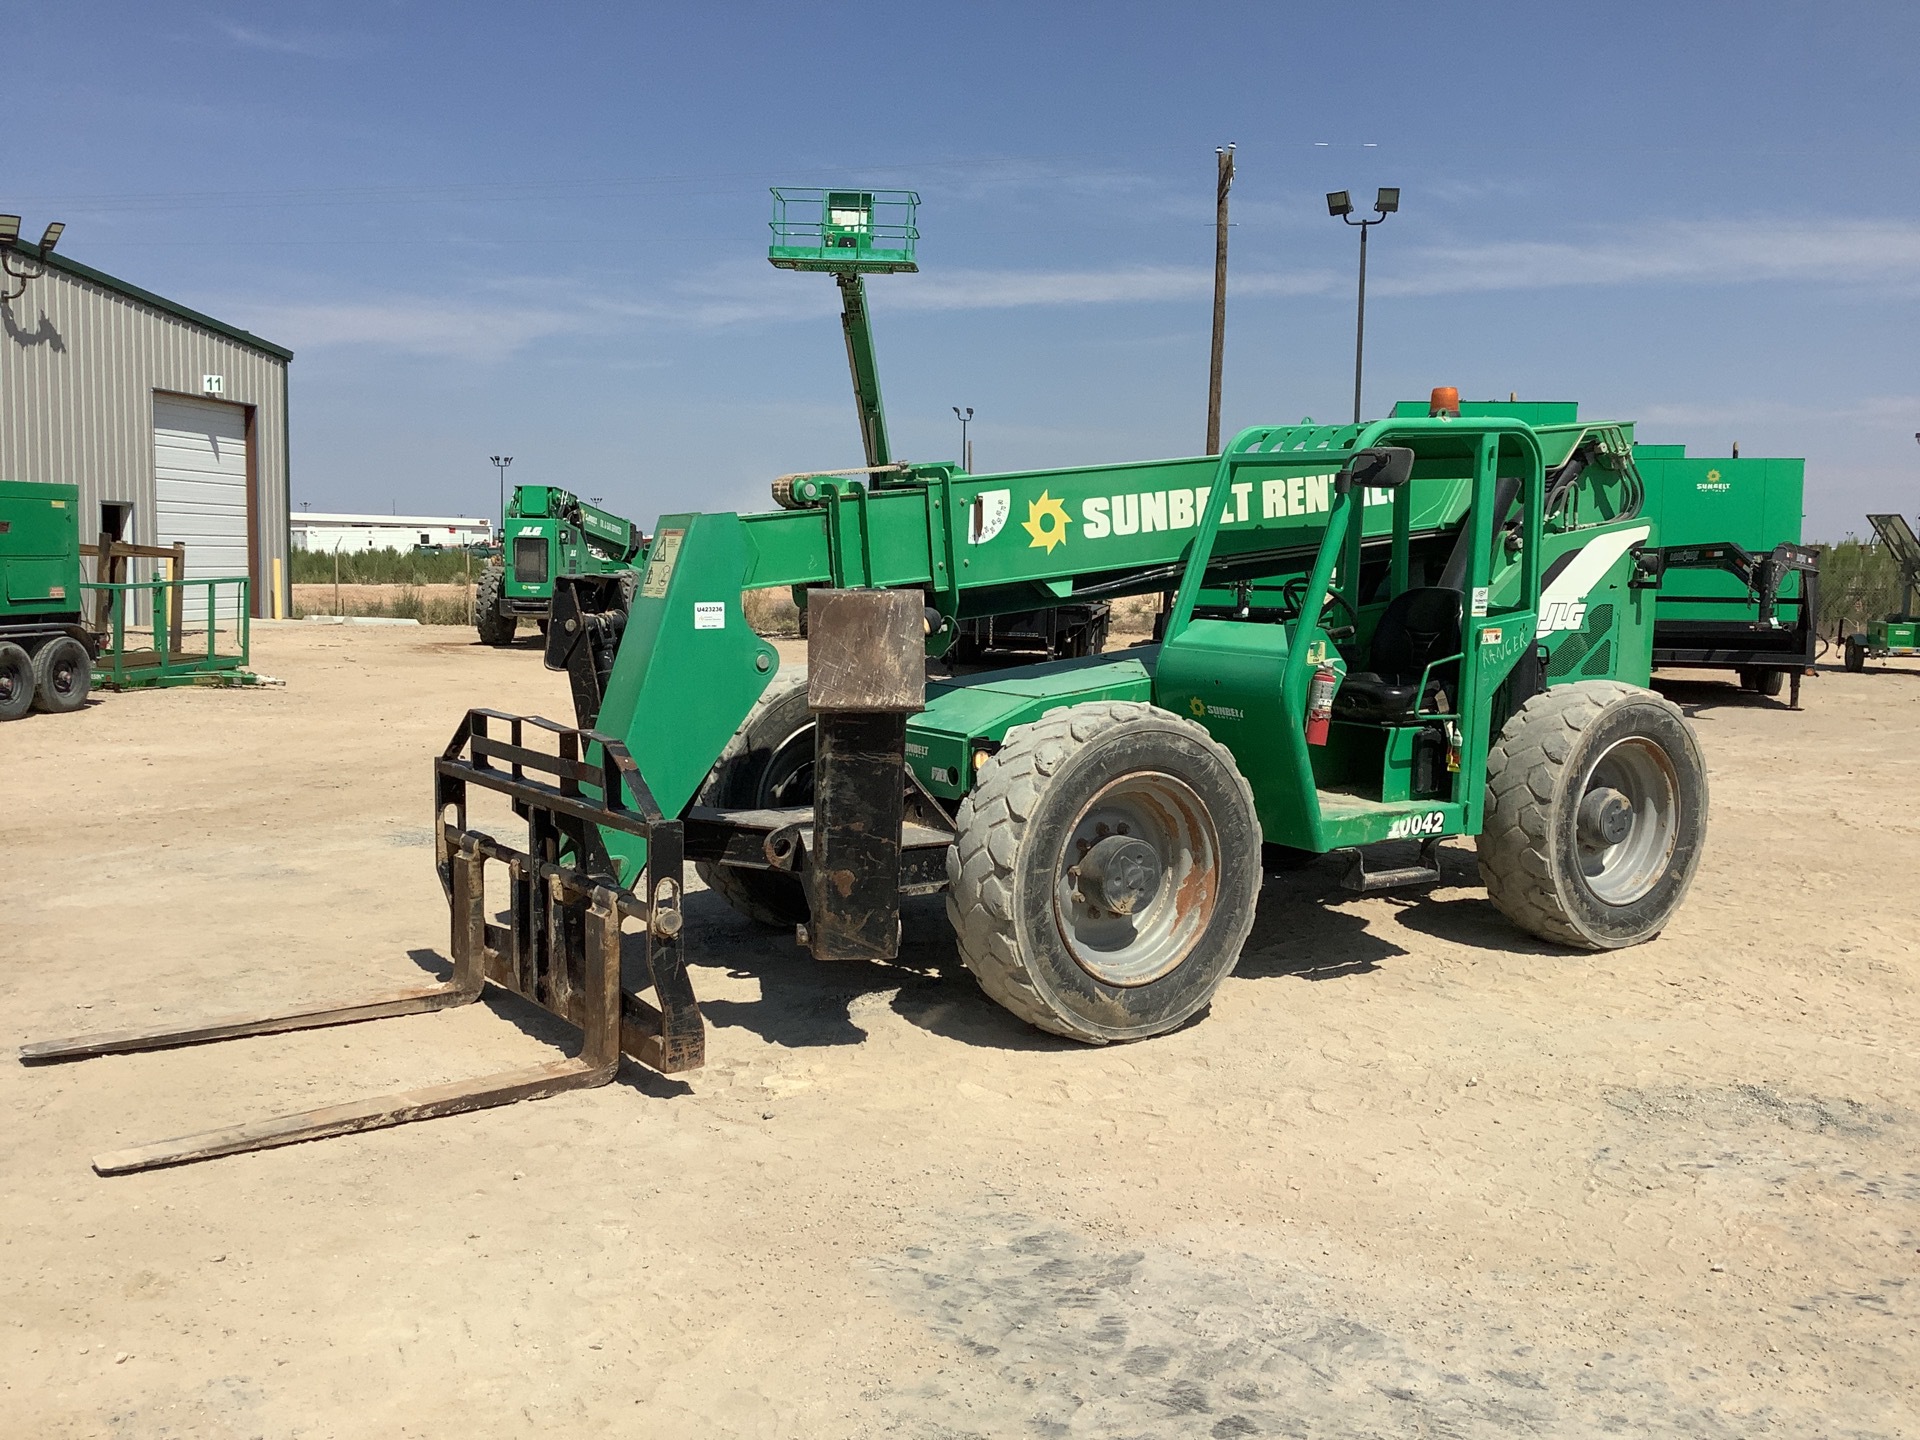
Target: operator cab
{"x":1421,"y":555}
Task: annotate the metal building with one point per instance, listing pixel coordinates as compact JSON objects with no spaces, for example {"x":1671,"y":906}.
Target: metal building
{"x":351,"y":533}
{"x":173,"y":424}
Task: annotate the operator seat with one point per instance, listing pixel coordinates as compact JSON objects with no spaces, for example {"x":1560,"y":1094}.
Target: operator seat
{"x":1418,"y":627}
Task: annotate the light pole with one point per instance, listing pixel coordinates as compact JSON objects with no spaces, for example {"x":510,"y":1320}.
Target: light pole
{"x":1340,"y":206}
{"x":500,"y":463}
{"x":966,"y":445}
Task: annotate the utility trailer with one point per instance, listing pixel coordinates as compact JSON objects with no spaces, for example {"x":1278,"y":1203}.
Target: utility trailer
{"x":548,"y":532}
{"x":46,"y":649}
{"x":1382,"y":635}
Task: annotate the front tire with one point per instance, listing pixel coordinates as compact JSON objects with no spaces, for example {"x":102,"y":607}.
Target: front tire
{"x":62,"y":676}
{"x":1596,"y":815}
{"x":1856,"y":656}
{"x":495,"y":628}
{"x":1105,"y":871}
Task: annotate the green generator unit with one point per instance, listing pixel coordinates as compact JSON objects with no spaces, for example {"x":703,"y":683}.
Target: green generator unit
{"x":545,"y":533}
{"x":46,"y":650}
{"x":1898,"y":633}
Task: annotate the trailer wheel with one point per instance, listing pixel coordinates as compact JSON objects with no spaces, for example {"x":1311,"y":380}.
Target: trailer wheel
{"x":1105,"y":871}
{"x":495,"y":627}
{"x":1856,"y":655}
{"x":1763,"y":682}
{"x":62,"y":675}
{"x":768,"y":763}
{"x":16,"y":681}
{"x":1596,"y":815}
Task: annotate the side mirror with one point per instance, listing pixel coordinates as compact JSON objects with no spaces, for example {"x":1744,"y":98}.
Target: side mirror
{"x":1379,"y":467}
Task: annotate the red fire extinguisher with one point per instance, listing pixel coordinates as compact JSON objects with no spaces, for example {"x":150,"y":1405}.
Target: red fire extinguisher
{"x":1320,"y":704}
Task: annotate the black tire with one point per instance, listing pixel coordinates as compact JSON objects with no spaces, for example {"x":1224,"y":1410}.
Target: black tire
{"x":62,"y":676}
{"x":768,"y":763}
{"x":16,"y":681}
{"x":1062,"y":956}
{"x":1856,"y":656}
{"x":1559,"y":857}
{"x":495,"y":627}
{"x":1762,"y":682}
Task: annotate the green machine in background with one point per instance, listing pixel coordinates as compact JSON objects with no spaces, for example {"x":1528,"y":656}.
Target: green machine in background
{"x":545,"y":533}
{"x":52,"y":651}
{"x":850,"y":234}
{"x":1898,"y":633}
{"x":46,"y":651}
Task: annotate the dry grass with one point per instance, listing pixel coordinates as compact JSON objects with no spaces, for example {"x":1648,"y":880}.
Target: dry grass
{"x":429,"y":604}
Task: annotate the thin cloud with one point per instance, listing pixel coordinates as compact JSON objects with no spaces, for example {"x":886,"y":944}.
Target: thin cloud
{"x":1884,"y":255}
{"x":1844,"y":252}
{"x":315,"y":47}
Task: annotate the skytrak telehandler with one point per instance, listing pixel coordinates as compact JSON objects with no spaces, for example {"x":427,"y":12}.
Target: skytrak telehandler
{"x":1409,"y":630}
{"x":546,"y":533}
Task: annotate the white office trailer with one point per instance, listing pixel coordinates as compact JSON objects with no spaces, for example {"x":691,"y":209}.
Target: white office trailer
{"x":173,"y":424}
{"x":350,"y":533}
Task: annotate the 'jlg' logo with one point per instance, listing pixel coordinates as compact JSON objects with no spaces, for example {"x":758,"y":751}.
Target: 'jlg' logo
{"x":1434,"y":822}
{"x":1562,"y":615}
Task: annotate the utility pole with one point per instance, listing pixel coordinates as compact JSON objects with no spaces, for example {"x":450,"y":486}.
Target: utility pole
{"x":1224,"y":160}
{"x":966,"y":445}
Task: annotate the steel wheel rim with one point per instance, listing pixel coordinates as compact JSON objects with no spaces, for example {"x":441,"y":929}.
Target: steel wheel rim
{"x":1629,"y":869}
{"x":788,"y":778}
{"x":1137,"y":948}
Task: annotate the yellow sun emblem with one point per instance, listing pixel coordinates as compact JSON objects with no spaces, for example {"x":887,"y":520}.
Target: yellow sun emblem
{"x":1046,"y":522}
{"x":1713,"y":477}
{"x":1199,"y":708}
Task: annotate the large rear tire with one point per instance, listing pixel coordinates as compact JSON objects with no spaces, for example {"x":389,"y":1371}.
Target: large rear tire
{"x":16,"y":681}
{"x":768,"y":764}
{"x":1105,"y":871}
{"x":62,"y":675}
{"x":1596,"y":815}
{"x":495,"y":628}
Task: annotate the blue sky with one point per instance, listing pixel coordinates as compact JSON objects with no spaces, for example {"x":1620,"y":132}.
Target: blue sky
{"x":541,"y":229}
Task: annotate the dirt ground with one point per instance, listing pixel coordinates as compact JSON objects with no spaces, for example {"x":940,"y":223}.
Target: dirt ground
{"x":1413,"y":1175}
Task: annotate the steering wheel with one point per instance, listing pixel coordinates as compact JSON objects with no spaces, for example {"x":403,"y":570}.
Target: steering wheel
{"x":1294,"y":595}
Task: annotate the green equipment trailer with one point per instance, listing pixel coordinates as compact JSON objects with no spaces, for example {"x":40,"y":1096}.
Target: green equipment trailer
{"x":1898,"y":633}
{"x":46,"y":650}
{"x":547,"y":533}
{"x":1383,"y":635}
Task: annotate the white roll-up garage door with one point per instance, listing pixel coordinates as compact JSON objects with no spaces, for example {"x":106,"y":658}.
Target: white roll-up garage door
{"x":200,"y":478}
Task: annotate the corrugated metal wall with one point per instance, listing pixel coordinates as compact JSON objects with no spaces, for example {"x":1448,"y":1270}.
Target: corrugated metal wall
{"x":79,"y":366}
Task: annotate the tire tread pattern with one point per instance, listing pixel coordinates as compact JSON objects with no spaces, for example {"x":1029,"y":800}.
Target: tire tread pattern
{"x":982,"y":862}
{"x":1516,"y":838}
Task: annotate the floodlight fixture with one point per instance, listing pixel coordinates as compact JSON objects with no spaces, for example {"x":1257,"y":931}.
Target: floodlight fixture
{"x":9,"y":229}
{"x":1340,"y":206}
{"x":52,"y":237}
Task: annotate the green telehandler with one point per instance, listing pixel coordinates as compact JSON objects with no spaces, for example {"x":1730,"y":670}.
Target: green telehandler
{"x":1410,"y":630}
{"x":546,"y":533}
{"x":1897,"y":633}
